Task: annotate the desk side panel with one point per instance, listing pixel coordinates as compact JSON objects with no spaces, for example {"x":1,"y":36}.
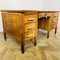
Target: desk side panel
{"x":12,"y":24}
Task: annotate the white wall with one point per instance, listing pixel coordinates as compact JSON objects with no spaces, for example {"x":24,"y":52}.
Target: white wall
{"x":30,"y":5}
{"x":1,"y":28}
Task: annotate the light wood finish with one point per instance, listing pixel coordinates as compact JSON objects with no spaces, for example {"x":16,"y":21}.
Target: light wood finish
{"x":23,"y":24}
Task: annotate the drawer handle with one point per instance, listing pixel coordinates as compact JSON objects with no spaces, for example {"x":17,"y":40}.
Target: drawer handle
{"x":30,"y":20}
{"x":30,"y":29}
{"x":45,"y":14}
{"x":55,"y":16}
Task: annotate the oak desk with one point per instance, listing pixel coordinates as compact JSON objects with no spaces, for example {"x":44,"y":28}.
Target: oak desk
{"x":23,"y":24}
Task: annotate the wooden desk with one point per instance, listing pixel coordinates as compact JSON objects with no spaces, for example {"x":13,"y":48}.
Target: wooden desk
{"x":23,"y":24}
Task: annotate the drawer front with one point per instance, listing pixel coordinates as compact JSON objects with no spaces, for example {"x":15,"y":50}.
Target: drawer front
{"x":30,"y":18}
{"x":48,"y":14}
{"x":55,"y":14}
{"x":31,"y":34}
{"x":41,"y":15}
{"x":54,"y":20}
{"x":54,"y":23}
{"x":44,"y":14}
{"x":30,"y":26}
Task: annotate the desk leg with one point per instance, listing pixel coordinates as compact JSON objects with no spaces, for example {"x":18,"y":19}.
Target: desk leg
{"x":35,"y":41}
{"x":5,"y":36}
{"x":47,"y":34}
{"x":55,"y":30}
{"x":22,"y":46}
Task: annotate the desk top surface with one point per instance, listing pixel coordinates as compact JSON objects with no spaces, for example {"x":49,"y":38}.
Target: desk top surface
{"x":27,"y":11}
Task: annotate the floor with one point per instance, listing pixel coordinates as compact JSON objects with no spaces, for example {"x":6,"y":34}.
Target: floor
{"x":46,"y":49}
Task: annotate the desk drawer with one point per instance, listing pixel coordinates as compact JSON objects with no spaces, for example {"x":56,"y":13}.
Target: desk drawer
{"x":48,"y":14}
{"x":30,"y":26}
{"x":41,"y":15}
{"x":55,"y":14}
{"x":54,"y":23}
{"x":44,"y":14}
{"x":31,"y":34}
{"x":30,"y":18}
